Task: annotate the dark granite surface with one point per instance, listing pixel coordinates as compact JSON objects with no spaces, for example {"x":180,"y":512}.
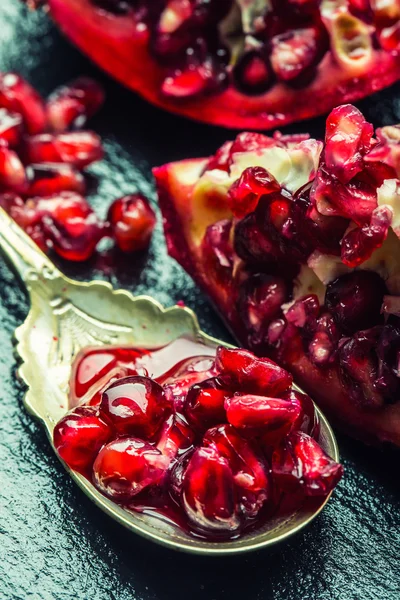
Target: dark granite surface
{"x":54,"y":544}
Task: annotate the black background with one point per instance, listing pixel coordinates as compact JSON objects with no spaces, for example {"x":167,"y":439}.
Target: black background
{"x":54,"y":544}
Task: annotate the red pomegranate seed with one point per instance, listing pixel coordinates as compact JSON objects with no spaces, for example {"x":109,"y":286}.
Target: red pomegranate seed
{"x":253,"y":245}
{"x":217,"y":249}
{"x":10,"y":127}
{"x":221,"y":159}
{"x":304,"y":312}
{"x":245,"y":193}
{"x":308,"y":421}
{"x":194,"y":80}
{"x":295,"y":54}
{"x":12,"y":171}
{"x":301,"y":464}
{"x":251,"y":374}
{"x":250,"y":470}
{"x":16,"y":95}
{"x":135,"y":405}
{"x":208,"y":493}
{"x":132,"y":222}
{"x":79,"y":436}
{"x":70,"y":106}
{"x":176,"y":436}
{"x":126,"y":466}
{"x":51,"y":178}
{"x":77,"y":148}
{"x":389,"y":38}
{"x":355,"y":300}
{"x":348,"y":138}
{"x":253,"y":73}
{"x":204,"y":405}
{"x":359,"y":244}
{"x":250,"y":412}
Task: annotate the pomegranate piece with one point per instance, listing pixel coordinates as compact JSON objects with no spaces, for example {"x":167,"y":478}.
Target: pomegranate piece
{"x":70,"y":106}
{"x":176,"y":436}
{"x":247,"y":373}
{"x":48,"y":179}
{"x":18,"y":96}
{"x":76,"y":148}
{"x":79,"y":436}
{"x":348,"y":137}
{"x":208,"y":493}
{"x":359,"y":244}
{"x":355,"y":300}
{"x":249,"y":412}
{"x":135,"y":405}
{"x":10,"y":127}
{"x":238,"y":68}
{"x":132,"y":222}
{"x":126,"y":466}
{"x":250,"y":470}
{"x":301,"y":464}
{"x":245,"y":193}
{"x":12,"y":171}
{"x":204,"y":404}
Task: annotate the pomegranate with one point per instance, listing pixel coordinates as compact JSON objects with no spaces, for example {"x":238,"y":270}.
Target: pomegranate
{"x":313,"y":264}
{"x":235,"y":63}
{"x":132,"y":222}
{"x":145,"y":450}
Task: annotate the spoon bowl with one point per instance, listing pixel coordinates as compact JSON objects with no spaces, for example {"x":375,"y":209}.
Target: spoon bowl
{"x":66,"y":316}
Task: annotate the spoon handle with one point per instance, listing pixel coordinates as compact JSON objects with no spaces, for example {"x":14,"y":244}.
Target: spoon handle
{"x":23,"y":254}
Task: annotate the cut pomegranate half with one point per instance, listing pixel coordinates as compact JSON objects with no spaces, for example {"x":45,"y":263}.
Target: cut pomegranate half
{"x":239,"y":63}
{"x":288,"y":289}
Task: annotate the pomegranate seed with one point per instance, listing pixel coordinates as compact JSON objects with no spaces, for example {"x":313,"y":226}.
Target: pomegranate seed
{"x":301,"y":464}
{"x":126,"y":466}
{"x":184,"y":375}
{"x":176,"y":436}
{"x":250,"y":412}
{"x":195,"y":80}
{"x":12,"y":172}
{"x":16,"y":95}
{"x":208,"y":493}
{"x":296,"y":53}
{"x":253,"y":73}
{"x":251,"y":374}
{"x":50,"y":178}
{"x":308,"y":421}
{"x":348,"y":138}
{"x":132,"y":222}
{"x":249,"y":141}
{"x":355,"y":300}
{"x":250,"y":470}
{"x":79,"y":436}
{"x":221,"y":158}
{"x":359,"y":244}
{"x":10,"y":127}
{"x":217,"y":249}
{"x":389,"y":38}
{"x":204,"y":405}
{"x":253,"y":245}
{"x":304,"y":312}
{"x":69,"y":107}
{"x":323,"y":346}
{"x":77,"y":148}
{"x":245,"y":193}
{"x":135,"y":405}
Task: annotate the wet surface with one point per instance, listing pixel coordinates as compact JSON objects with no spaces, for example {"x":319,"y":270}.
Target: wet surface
{"x":54,"y":544}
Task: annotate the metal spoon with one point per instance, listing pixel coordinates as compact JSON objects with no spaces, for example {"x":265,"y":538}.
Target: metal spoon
{"x":66,"y":316}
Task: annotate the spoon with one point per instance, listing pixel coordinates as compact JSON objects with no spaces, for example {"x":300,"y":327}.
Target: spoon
{"x":66,"y":316}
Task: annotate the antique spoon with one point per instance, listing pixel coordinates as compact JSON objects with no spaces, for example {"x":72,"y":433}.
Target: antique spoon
{"x":66,"y":316}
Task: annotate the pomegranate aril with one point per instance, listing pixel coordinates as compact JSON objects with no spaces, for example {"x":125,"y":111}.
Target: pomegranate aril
{"x":253,"y":74}
{"x":10,"y":127}
{"x":12,"y":171}
{"x":208,"y":493}
{"x":17,"y":95}
{"x":260,"y":413}
{"x":300,"y":464}
{"x":204,"y":404}
{"x":70,"y":106}
{"x":304,"y":312}
{"x":355,"y":300}
{"x":221,"y":158}
{"x":360,"y":243}
{"x":194,"y":80}
{"x":186,"y":373}
{"x":250,"y":470}
{"x":308,"y":421}
{"x":80,"y":435}
{"x":245,"y":193}
{"x":389,"y":37}
{"x":126,"y":466}
{"x":295,"y":54}
{"x":51,"y":178}
{"x":323,"y":345}
{"x":253,"y":245}
{"x":77,"y":148}
{"x":250,"y":374}
{"x":388,"y":353}
{"x":176,"y":436}
{"x":348,"y":138}
{"x":217,"y":249}
{"x":135,"y":405}
{"x":132,"y":222}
